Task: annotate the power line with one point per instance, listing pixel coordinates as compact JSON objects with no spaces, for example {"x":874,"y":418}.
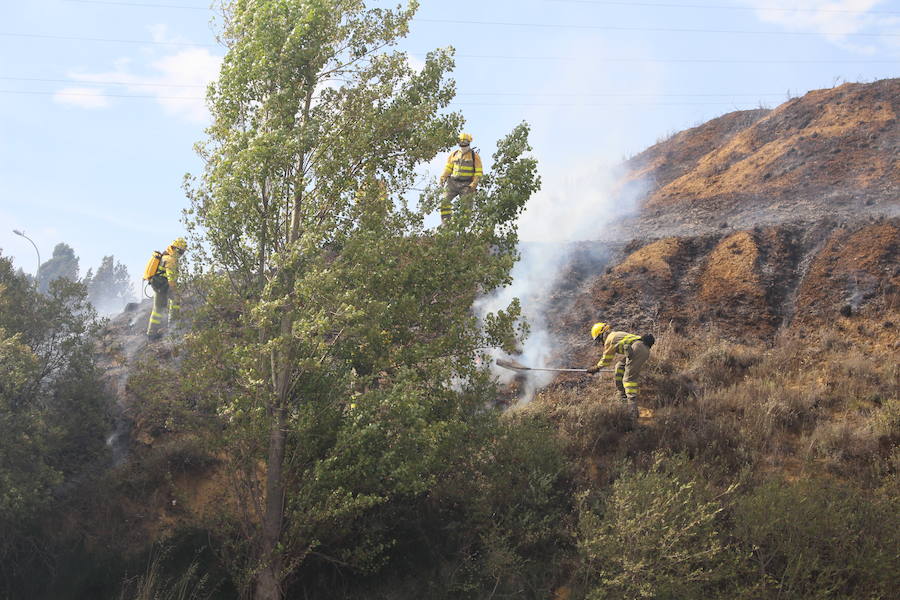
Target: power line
{"x":519,"y":94}
{"x":594,"y":2}
{"x":89,"y":81}
{"x":494,"y":94}
{"x":615,"y":95}
{"x":729,"y":7}
{"x":650,"y":29}
{"x":489,"y":23}
{"x":486,"y":56}
{"x":109,"y":40}
{"x":588,"y":104}
{"x":673,"y":60}
{"x":485,"y":104}
{"x":91,"y":95}
{"x":140,"y":4}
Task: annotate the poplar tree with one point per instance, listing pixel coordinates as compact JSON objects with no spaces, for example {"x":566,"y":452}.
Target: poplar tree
{"x":336,"y":340}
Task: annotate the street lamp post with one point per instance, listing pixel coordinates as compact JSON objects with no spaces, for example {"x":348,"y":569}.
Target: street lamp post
{"x":22,"y":233}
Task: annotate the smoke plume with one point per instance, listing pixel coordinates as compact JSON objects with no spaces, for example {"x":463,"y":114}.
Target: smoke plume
{"x":573,"y":206}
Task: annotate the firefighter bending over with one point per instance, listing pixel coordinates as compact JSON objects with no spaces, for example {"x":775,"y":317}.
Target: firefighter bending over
{"x":461,"y":174}
{"x":634,"y":349}
{"x":164,"y":282}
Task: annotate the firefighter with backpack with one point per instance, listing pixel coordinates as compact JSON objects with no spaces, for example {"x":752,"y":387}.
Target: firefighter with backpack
{"x":460,"y":175}
{"x":162,"y":274}
{"x":634,"y":351}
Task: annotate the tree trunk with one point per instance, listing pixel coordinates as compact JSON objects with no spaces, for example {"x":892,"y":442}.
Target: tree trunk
{"x":268,"y":580}
{"x":270,"y":575}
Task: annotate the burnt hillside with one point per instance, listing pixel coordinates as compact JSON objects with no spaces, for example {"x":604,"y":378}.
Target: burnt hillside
{"x":758,"y":224}
{"x":830,"y":152}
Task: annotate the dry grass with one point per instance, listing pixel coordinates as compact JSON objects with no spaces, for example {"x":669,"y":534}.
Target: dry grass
{"x":800,"y":402}
{"x":589,"y":423}
{"x":841,"y":442}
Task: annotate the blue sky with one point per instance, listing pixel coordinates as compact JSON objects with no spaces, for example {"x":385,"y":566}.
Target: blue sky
{"x":101,"y":101}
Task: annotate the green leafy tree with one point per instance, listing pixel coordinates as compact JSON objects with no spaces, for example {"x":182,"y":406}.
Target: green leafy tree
{"x":337,"y":339}
{"x":63,"y":264}
{"x":109,"y":289}
{"x":52,"y":406}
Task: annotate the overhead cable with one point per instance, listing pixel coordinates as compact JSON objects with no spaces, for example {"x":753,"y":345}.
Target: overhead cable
{"x":652,"y":29}
{"x":630,"y":3}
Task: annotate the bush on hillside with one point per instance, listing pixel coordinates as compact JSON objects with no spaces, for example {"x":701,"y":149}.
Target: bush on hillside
{"x":722,"y":364}
{"x":656,"y":535}
{"x":817,"y":539}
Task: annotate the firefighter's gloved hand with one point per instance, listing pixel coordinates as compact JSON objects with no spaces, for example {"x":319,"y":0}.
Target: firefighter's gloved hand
{"x":472,"y":188}
{"x":594,"y":369}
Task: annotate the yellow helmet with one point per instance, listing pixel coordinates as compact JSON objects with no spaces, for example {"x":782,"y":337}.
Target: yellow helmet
{"x":465,"y":138}
{"x":599,"y":329}
{"x":180,"y":244}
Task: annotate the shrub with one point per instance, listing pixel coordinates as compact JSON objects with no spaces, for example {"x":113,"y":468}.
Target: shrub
{"x":516,"y":511}
{"x":656,"y":536}
{"x":155,"y":585}
{"x":713,"y":436}
{"x":765,"y":411}
{"x":841,"y":441}
{"x":589,"y":421}
{"x":817,"y":539}
{"x":886,"y":421}
{"x":723,"y":364}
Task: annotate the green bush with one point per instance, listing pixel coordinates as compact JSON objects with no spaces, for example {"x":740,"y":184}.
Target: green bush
{"x":817,"y":539}
{"x":53,"y":414}
{"x":656,"y":535}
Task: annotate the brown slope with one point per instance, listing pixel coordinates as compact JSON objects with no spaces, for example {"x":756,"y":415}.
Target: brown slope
{"x":813,"y":281}
{"x":846,"y":138}
{"x":666,"y":161}
{"x":829,"y":152}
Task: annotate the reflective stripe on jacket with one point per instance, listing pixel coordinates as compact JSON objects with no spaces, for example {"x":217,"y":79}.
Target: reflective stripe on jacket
{"x":463,"y":166}
{"x":168,"y":266}
{"x":617,"y":342}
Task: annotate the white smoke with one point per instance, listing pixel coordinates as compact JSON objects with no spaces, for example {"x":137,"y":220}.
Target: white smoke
{"x":573,"y":206}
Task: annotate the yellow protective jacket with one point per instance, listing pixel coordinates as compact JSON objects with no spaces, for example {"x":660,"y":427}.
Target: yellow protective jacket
{"x":168,"y":266}
{"x":617,"y":342}
{"x":463,"y":166}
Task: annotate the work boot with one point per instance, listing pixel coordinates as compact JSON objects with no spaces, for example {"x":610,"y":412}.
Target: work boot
{"x":633,"y":409}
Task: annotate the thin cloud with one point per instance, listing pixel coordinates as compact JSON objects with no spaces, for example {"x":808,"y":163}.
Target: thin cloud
{"x":177,"y":81}
{"x":82,"y":97}
{"x":835,"y":20}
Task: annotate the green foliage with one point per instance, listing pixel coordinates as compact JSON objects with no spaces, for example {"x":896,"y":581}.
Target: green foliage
{"x":63,"y":264}
{"x":52,"y":406}
{"x":818,"y":539}
{"x":155,"y":585}
{"x":337,"y":334}
{"x":24,"y":482}
{"x":517,"y":508}
{"x":723,"y":364}
{"x":657,"y":535}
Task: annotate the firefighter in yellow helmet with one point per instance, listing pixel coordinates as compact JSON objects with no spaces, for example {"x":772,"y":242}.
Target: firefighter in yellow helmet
{"x":634,"y":350}
{"x":164,"y":284}
{"x":461,"y":174}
